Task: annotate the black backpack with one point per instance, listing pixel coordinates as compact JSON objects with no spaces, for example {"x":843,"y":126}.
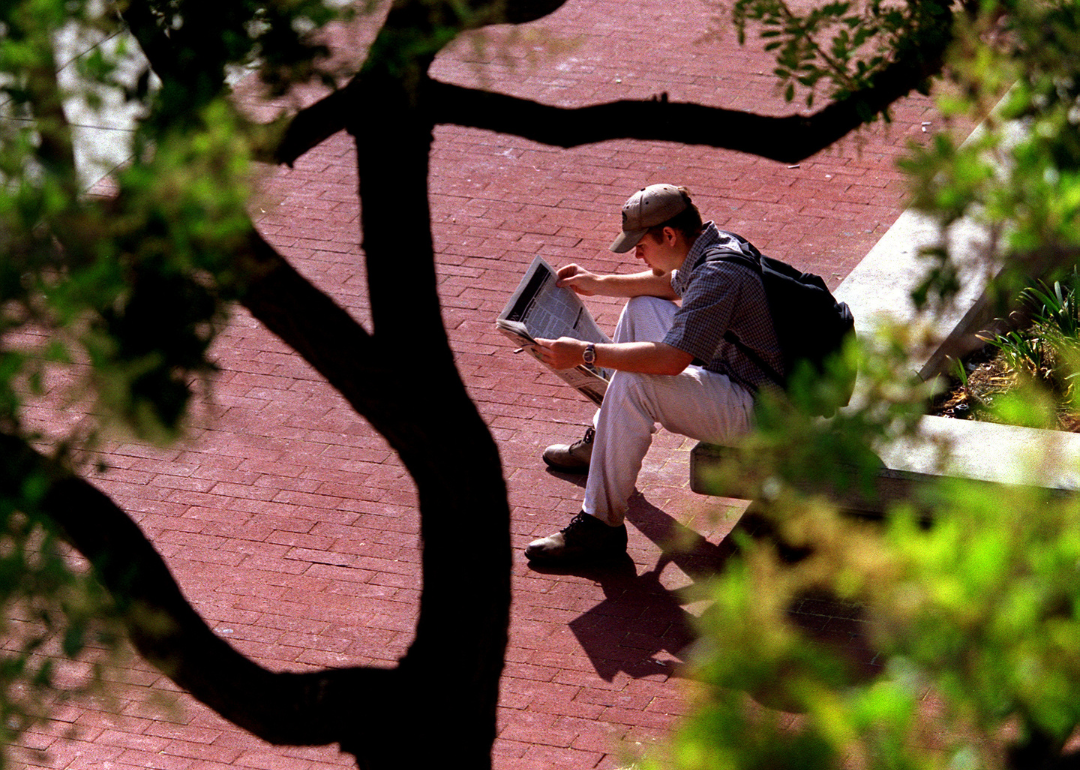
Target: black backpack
{"x":811,"y":328}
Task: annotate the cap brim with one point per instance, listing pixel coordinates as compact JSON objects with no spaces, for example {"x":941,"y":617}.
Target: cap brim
{"x":627,"y":240}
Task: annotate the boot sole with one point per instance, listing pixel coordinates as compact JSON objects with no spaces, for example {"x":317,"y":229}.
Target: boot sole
{"x":578,"y":557}
{"x":577,"y":469}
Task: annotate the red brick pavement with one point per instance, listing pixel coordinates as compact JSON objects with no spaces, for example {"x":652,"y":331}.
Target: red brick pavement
{"x":292,"y":527}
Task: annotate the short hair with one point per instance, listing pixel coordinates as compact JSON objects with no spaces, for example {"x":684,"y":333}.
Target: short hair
{"x":688,"y":221}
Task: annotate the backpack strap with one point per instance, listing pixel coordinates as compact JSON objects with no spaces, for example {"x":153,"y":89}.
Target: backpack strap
{"x":721,"y":253}
{"x":735,"y":249}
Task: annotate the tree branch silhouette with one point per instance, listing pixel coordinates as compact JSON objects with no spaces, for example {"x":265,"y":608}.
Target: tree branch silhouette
{"x":283,"y":708}
{"x":399,"y":375}
{"x":785,"y":138}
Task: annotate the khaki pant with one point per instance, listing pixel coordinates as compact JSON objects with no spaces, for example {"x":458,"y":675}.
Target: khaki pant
{"x":696,"y":403}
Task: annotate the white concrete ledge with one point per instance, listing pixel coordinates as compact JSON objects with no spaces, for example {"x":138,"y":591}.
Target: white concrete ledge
{"x":879,"y":288}
{"x":879,"y":292}
{"x":983,"y":451}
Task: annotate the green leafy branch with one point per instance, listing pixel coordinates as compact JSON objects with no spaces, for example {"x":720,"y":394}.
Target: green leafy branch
{"x":837,"y":43}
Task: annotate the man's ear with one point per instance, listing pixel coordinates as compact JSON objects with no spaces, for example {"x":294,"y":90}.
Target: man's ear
{"x":671,"y":235}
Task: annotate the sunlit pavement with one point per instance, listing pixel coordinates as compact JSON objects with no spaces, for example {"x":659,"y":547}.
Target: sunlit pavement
{"x":291,"y":526}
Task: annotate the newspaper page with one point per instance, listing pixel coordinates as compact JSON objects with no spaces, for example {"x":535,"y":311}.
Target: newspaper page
{"x":539,"y":308}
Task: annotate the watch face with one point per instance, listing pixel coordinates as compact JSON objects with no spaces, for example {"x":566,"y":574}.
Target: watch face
{"x":589,"y":356}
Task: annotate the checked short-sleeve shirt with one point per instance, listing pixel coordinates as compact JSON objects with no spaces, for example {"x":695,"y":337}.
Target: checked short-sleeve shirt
{"x":719,"y":296}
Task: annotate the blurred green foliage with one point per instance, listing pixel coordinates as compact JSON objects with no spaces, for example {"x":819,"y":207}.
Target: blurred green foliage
{"x":111,"y":303}
{"x":968,"y":596}
{"x":840,"y":48}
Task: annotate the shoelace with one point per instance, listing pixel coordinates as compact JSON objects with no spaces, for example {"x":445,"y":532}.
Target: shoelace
{"x":575,"y":523}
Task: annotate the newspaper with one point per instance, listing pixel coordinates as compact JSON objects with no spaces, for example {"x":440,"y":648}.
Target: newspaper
{"x":539,"y":308}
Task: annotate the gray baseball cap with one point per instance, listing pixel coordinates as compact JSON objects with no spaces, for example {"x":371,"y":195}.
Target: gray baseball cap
{"x":648,"y":207}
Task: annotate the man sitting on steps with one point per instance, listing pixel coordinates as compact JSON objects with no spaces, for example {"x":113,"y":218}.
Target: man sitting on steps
{"x":672,"y":364}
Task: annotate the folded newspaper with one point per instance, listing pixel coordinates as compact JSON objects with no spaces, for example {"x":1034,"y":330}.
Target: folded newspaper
{"x":539,"y":308}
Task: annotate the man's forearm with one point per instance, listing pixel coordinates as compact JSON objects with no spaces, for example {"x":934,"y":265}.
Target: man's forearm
{"x":642,"y":357}
{"x":643,"y":284}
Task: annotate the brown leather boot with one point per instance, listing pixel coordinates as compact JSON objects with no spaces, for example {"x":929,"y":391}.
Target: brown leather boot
{"x":571,"y":458}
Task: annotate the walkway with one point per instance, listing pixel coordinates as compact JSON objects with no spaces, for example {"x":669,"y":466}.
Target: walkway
{"x":292,"y":527}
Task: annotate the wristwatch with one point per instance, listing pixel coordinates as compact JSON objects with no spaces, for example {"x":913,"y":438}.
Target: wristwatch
{"x":589,"y":356}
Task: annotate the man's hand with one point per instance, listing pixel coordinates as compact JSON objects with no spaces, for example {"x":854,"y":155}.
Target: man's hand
{"x":578,"y":279}
{"x":563,"y":353}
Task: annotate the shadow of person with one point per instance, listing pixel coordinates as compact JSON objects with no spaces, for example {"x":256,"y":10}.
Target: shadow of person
{"x":577,"y":479}
{"x":639,"y":628}
{"x":642,"y":629}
